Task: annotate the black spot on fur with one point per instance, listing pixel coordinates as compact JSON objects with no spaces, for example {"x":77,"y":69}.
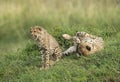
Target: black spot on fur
{"x":88,"y":48}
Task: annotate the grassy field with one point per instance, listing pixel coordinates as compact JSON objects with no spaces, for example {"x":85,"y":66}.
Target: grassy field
{"x":19,"y":55}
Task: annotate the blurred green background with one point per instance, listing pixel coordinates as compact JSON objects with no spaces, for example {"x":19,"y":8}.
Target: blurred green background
{"x":19,"y":55}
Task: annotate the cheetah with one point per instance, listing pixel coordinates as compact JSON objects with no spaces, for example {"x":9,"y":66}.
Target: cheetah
{"x":49,"y":47}
{"x":84,"y":44}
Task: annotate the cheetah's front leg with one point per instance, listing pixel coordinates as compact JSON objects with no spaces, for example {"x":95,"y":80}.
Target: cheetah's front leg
{"x":42,"y":59}
{"x":47,"y":59}
{"x":70,"y":50}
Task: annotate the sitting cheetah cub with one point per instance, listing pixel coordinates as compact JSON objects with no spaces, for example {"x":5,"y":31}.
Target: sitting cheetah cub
{"x":48,"y":46}
{"x":84,"y":44}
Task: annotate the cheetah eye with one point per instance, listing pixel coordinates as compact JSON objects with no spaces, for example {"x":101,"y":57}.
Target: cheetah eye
{"x":88,"y":48}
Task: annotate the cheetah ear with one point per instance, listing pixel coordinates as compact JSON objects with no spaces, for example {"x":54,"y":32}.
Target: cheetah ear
{"x":88,"y":48}
{"x":40,"y":29}
{"x":77,"y":33}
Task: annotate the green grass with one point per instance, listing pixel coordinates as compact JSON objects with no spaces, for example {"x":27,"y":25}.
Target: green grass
{"x":19,"y":55}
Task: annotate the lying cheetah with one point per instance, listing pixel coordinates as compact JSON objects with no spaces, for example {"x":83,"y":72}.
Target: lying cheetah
{"x":84,"y":44}
{"x":49,"y":47}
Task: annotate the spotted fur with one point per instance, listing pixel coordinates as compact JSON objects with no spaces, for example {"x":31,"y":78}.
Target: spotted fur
{"x":84,"y":44}
{"x":49,"y":47}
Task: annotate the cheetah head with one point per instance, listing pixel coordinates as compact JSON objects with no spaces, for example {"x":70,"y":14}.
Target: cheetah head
{"x":36,"y":31}
{"x":85,"y":49}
